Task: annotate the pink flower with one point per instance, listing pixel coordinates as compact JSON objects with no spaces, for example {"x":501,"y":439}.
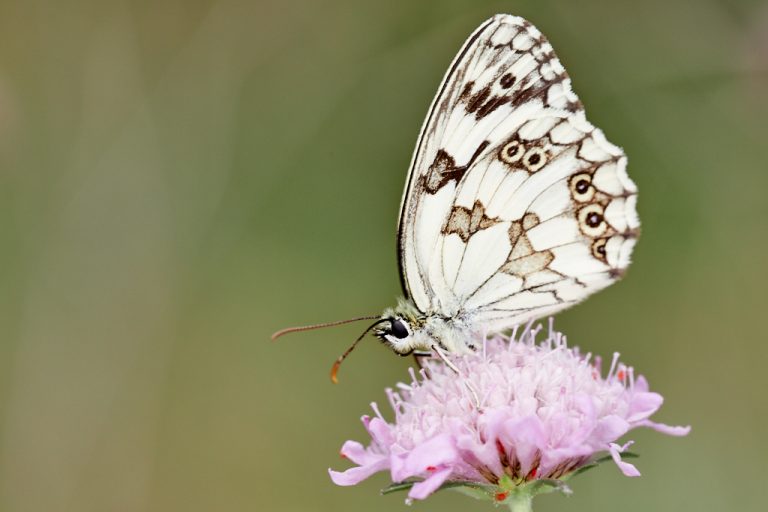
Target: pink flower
{"x":517,"y":412}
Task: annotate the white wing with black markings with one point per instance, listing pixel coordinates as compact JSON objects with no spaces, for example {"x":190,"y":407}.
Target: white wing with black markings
{"x":515,"y":206}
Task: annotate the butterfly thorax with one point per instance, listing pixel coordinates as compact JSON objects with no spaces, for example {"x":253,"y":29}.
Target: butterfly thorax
{"x":406,"y":329}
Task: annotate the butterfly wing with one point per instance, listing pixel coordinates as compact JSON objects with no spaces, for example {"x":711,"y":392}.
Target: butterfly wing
{"x":516,"y":206}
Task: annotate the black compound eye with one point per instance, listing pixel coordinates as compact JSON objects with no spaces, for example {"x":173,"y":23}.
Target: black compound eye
{"x":398,"y":330}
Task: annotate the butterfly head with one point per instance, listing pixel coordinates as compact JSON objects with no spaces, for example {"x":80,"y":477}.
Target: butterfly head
{"x":397,"y":333}
{"x":401,"y":327}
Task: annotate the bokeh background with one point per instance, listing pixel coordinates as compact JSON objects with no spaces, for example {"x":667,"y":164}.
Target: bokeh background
{"x":181,"y":178}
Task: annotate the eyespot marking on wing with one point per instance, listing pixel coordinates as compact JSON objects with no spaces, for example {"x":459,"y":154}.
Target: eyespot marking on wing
{"x":519,"y":155}
{"x":581,"y":187}
{"x":512,"y":152}
{"x":535,"y":158}
{"x":598,"y":249}
{"x":591,"y":220}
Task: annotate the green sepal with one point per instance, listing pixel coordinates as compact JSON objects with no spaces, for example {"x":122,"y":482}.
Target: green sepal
{"x":397,"y":487}
{"x":473,"y":489}
{"x":547,"y":485}
{"x":476,"y":491}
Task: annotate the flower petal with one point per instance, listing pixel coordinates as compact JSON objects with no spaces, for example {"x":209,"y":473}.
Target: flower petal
{"x":642,"y":405}
{"x":356,"y":475}
{"x":610,"y":428}
{"x":553,"y":457}
{"x":423,"y":489}
{"x":355,"y":452}
{"x":625,"y":467}
{"x":477,"y":454}
{"x":380,"y":431}
{"x":527,"y":437}
{"x":665,"y":429}
{"x":438,"y":451}
{"x":641,"y":384}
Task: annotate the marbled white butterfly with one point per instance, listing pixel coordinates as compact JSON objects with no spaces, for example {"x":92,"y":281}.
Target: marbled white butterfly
{"x":515,"y":205}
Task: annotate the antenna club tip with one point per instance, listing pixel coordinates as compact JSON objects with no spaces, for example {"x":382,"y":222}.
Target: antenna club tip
{"x":335,"y":372}
{"x":278,"y":334}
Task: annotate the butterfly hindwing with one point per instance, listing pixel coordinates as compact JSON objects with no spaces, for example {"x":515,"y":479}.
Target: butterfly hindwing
{"x":516,"y":206}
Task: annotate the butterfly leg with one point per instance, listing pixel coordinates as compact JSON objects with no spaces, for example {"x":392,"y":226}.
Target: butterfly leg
{"x":442,"y":355}
{"x":419,"y":357}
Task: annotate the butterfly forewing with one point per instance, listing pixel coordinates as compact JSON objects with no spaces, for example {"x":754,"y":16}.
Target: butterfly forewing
{"x":516,"y":206}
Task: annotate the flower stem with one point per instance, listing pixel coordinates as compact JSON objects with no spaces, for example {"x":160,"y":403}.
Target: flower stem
{"x":520,"y":502}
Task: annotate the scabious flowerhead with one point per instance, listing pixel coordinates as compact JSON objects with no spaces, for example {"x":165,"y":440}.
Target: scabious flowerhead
{"x":517,"y":414}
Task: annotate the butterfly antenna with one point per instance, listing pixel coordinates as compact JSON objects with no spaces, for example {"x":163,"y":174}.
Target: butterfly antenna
{"x":319,"y":326}
{"x":337,"y":364}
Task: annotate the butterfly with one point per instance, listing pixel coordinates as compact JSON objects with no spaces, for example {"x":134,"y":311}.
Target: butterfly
{"x":515,"y":206}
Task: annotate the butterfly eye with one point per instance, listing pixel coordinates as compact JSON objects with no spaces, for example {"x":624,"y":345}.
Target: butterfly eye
{"x":512,"y":152}
{"x":535,"y":159}
{"x":581,"y":187}
{"x":591,"y":220}
{"x":398,"y":329}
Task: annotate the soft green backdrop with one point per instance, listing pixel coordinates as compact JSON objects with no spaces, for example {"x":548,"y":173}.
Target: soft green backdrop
{"x":181,"y":178}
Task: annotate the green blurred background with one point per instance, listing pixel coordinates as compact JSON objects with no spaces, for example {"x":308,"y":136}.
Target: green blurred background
{"x":181,"y":178}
